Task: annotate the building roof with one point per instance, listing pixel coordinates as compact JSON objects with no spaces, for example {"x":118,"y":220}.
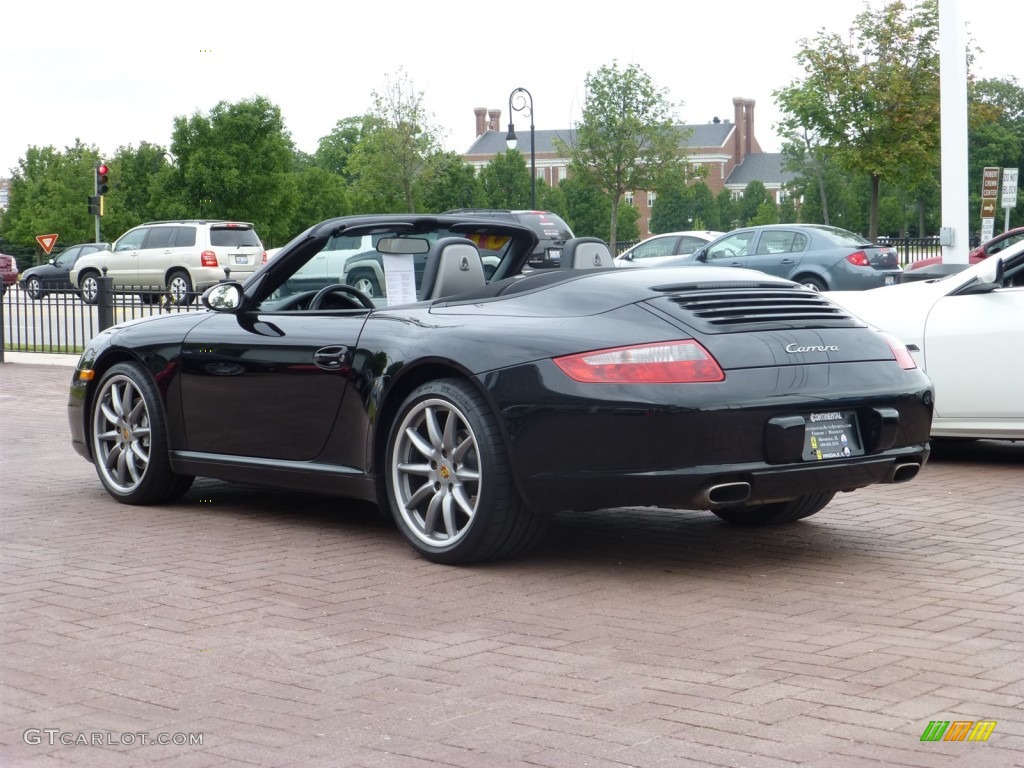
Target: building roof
{"x":765,"y":167}
{"x":493,"y":142}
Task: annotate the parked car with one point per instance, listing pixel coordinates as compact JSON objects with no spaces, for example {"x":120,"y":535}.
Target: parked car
{"x":965,"y":331}
{"x":54,"y":275}
{"x":818,"y":257}
{"x":484,"y":405}
{"x":8,"y":272}
{"x":658,"y":249}
{"x":176,"y":257}
{"x":931,"y":268}
{"x":552,"y":232}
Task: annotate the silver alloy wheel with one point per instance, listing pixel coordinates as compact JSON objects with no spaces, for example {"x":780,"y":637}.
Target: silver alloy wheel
{"x":435,"y":472}
{"x":34,"y":288}
{"x":121,"y":434}
{"x":90,"y":289}
{"x":179,"y":287}
{"x":365,"y":285}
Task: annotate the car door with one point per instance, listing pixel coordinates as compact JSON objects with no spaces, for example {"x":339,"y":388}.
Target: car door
{"x":57,"y":277}
{"x":122,"y":261}
{"x":971,"y":352}
{"x":154,"y":257}
{"x":266,"y":385}
{"x":652,"y":252}
{"x":778,"y":252}
{"x":733,"y":250}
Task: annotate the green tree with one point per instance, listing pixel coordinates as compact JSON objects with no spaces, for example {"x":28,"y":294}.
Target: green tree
{"x":235,"y":163}
{"x":392,"y":159}
{"x":131,"y":201}
{"x":506,"y":181}
{"x":873,"y":98}
{"x":335,"y":149}
{"x":454,"y":184}
{"x":996,"y":138}
{"x":755,"y":197}
{"x":48,"y":194}
{"x":627,"y":138}
{"x":321,"y":195}
{"x":673,"y":210}
{"x":705,"y":211}
{"x":728,"y":212}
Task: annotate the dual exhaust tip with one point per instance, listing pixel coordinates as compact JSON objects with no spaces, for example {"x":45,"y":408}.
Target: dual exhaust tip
{"x":728,"y":494}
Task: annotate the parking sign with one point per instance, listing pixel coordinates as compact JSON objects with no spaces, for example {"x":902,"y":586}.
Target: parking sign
{"x":1010,"y":187}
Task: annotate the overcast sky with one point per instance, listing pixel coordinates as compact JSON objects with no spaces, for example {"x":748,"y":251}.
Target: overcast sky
{"x":117,"y":73}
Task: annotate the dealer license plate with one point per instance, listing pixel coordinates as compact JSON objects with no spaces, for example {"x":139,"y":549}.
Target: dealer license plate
{"x":831,"y":435}
{"x":241,"y":260}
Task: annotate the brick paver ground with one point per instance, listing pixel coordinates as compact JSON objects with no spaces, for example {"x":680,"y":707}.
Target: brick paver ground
{"x":288,"y":630}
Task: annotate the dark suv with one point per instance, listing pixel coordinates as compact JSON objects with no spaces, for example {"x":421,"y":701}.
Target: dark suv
{"x":552,"y":231}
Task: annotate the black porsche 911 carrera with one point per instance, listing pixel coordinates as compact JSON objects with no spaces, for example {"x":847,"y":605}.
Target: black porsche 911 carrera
{"x":476,"y":403}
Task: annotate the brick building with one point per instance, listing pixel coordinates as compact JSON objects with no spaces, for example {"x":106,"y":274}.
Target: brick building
{"x":727,"y":151}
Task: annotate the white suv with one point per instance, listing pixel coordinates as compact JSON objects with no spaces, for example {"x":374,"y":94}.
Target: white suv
{"x":179,"y":258}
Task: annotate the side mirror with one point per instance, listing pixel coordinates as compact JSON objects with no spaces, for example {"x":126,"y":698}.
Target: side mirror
{"x":223,"y":297}
{"x":988,"y":278}
{"x":701,"y":255}
{"x":52,"y":262}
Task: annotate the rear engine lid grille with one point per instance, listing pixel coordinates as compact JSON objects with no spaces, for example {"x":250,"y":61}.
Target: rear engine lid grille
{"x":735,"y":309}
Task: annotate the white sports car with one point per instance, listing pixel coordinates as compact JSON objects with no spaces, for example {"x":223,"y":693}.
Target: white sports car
{"x":966,"y":331}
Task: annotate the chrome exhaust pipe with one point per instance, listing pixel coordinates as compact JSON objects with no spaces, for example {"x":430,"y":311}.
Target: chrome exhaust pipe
{"x":901,"y":473}
{"x":724,"y":493}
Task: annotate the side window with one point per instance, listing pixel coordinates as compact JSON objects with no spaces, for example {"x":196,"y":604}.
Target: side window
{"x":730,"y":247}
{"x":688,"y":244}
{"x":159,"y":237}
{"x":660,"y":247}
{"x":799,"y":242}
{"x":132,"y":241}
{"x":67,"y":258}
{"x":184,"y":237}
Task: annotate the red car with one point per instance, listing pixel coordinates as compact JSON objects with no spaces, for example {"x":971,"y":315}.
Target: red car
{"x":8,"y":272}
{"x":986,"y":249}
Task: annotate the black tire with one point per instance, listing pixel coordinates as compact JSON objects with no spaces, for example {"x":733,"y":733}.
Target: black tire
{"x":448,"y":481}
{"x":34,"y":288}
{"x":89,"y":286}
{"x":814,"y":283}
{"x":179,"y":286}
{"x":777,"y":513}
{"x":364,"y":280}
{"x":129,"y":439}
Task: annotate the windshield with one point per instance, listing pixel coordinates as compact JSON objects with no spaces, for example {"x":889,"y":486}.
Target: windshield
{"x":354,"y":260}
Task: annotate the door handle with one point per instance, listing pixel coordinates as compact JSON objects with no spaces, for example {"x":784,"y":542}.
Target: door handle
{"x":788,"y":261}
{"x":330,"y":358}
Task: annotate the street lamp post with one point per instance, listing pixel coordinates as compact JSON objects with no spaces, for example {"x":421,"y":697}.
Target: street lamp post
{"x":517,"y":102}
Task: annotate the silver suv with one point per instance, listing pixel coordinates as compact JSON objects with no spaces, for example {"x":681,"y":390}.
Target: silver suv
{"x":178,"y":258}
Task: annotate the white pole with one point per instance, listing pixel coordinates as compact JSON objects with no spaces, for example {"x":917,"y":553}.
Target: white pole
{"x":953,"y":132}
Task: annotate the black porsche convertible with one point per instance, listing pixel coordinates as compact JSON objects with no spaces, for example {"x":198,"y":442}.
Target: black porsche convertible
{"x":476,"y":401}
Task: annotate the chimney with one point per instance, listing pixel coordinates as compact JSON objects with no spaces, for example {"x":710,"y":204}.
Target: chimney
{"x":740,"y":143}
{"x":481,"y":118}
{"x":495,"y":120}
{"x":748,"y":128}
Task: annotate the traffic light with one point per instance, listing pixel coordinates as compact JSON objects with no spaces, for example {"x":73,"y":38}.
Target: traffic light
{"x":95,"y":205}
{"x":102,"y":179}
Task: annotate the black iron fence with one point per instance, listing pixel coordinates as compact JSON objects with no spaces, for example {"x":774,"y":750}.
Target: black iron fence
{"x":61,"y":322}
{"x":912,"y":249}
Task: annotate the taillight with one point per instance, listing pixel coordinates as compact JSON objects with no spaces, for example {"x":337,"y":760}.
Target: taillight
{"x":208,"y":259}
{"x":900,"y":351}
{"x":671,"y":362}
{"x":264,"y":257}
{"x":859,"y":258}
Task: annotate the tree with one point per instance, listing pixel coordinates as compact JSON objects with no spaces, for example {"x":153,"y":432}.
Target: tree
{"x":873,"y":100}
{"x":391,"y":161}
{"x":506,"y":181}
{"x":48,"y":193}
{"x":321,"y":195}
{"x":627,"y":139}
{"x":131,"y":201}
{"x":755,"y":197}
{"x":335,"y":149}
{"x":235,"y":163}
{"x":673,"y":211}
{"x":454,"y":184}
